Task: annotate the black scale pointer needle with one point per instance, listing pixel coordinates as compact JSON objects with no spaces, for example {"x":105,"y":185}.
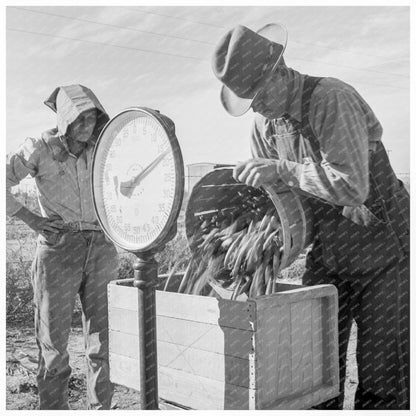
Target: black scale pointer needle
{"x":127,"y":187}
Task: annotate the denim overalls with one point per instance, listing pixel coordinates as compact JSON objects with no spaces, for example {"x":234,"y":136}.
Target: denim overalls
{"x":364,"y":252}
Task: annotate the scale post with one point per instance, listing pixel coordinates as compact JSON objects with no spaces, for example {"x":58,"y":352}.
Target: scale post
{"x":138,"y":185}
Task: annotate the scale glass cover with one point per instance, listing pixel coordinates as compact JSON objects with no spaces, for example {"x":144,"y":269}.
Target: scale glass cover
{"x":138,"y":179}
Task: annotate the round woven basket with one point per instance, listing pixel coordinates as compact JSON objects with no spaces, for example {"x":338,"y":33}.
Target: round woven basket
{"x":218,"y":192}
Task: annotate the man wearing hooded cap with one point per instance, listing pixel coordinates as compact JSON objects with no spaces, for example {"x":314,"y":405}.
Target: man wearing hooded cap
{"x":72,"y":254}
{"x":320,"y":138}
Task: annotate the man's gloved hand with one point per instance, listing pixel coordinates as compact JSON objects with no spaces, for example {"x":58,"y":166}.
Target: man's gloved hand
{"x":256,"y":172}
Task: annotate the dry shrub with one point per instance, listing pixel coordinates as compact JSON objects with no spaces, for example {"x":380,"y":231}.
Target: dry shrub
{"x":19,"y":292}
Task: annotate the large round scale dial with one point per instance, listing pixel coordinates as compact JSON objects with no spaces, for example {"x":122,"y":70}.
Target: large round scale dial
{"x":138,"y":179}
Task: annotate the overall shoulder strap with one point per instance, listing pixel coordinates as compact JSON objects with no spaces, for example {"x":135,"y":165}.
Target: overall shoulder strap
{"x":308,"y":87}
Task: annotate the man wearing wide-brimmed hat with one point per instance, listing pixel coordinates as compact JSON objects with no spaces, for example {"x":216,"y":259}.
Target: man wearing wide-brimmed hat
{"x":320,"y":138}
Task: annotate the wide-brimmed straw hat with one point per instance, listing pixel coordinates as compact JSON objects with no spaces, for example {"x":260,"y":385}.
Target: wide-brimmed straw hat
{"x":243,"y":59}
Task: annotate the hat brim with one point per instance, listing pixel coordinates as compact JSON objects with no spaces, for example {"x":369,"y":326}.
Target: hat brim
{"x":237,"y":106}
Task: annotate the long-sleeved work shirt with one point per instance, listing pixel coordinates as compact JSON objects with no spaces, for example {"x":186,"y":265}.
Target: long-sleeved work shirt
{"x":63,"y":187}
{"x":346,"y":129}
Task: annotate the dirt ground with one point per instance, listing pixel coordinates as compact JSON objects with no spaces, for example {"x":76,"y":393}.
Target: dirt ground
{"x":22,"y":362}
{"x":21,"y":373}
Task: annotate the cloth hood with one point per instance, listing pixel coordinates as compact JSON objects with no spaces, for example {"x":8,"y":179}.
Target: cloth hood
{"x":68,"y":102}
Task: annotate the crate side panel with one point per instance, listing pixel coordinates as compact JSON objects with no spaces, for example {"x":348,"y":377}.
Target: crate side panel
{"x":302,"y":353}
{"x":295,"y":345}
{"x":273,"y":354}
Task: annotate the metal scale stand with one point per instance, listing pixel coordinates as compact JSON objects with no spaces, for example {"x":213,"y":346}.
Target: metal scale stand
{"x":138,"y":186}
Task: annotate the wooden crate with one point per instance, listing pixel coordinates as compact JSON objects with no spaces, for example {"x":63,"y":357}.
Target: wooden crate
{"x":274,"y":352}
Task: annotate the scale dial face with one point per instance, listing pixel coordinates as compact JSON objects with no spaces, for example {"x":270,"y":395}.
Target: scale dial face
{"x":138,"y":179}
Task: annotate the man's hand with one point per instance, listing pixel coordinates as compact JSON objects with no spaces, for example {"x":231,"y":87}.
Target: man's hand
{"x":50,"y":225}
{"x":256,"y":172}
{"x":41,"y":225}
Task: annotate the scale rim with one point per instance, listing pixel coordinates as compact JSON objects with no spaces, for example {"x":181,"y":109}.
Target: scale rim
{"x":168,"y":231}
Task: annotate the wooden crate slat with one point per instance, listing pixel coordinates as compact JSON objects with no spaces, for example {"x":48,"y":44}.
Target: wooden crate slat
{"x":199,"y":335}
{"x":203,"y":336}
{"x":123,"y":344}
{"x":284,"y":287}
{"x":189,"y":307}
{"x":219,"y":367}
{"x":212,"y":365}
{"x":206,"y":309}
{"x":283,"y":355}
{"x":317,"y":340}
{"x":330,"y":343}
{"x":122,"y":296}
{"x":124,"y":371}
{"x":178,"y":386}
{"x":273,"y":345}
{"x":202,"y":393}
{"x":294,"y":295}
{"x":302,"y":353}
{"x":124,"y":320}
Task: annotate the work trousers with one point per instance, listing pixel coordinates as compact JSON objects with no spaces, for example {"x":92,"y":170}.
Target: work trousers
{"x":78,"y":263}
{"x":379,"y":304}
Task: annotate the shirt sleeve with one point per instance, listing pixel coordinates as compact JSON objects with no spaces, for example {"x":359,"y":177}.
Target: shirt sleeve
{"x":20,"y":164}
{"x":341,"y":178}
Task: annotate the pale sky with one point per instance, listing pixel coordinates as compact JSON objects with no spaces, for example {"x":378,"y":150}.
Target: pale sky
{"x":160,"y":57}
